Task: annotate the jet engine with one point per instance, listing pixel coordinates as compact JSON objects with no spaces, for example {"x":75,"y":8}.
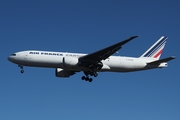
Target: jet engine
{"x":63,"y":73}
{"x":70,"y":61}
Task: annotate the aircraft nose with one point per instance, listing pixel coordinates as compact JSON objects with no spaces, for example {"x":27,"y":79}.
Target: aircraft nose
{"x":10,"y":58}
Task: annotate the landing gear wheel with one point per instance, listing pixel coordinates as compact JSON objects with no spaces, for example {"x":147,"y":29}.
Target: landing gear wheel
{"x":87,"y":78}
{"x":22,"y":71}
{"x":90,"y":79}
{"x":87,"y":74}
{"x":83,"y":78}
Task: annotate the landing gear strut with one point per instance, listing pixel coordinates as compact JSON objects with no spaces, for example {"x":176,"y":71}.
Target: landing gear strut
{"x":87,"y":78}
{"x":21,"y":67}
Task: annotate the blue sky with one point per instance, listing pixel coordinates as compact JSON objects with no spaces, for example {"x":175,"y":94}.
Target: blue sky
{"x":87,"y":26}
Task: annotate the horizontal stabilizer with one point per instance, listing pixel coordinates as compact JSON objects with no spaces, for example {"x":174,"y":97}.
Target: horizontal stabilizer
{"x":162,"y":60}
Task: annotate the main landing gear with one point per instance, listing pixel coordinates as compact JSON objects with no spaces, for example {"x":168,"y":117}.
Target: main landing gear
{"x":21,"y":67}
{"x":87,"y":78}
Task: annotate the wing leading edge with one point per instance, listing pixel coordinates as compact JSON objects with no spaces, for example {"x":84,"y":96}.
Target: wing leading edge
{"x":93,"y":61}
{"x":106,"y":52}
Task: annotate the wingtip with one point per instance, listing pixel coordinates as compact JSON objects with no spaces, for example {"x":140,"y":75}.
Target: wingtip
{"x":134,"y":36}
{"x":173,"y":57}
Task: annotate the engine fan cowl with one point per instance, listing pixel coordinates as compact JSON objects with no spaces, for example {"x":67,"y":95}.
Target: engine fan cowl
{"x":70,"y":61}
{"x":63,"y":73}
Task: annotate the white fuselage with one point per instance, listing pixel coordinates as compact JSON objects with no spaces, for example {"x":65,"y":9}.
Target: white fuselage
{"x":55,"y":60}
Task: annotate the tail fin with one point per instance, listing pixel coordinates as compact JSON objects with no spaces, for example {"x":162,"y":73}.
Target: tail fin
{"x":156,"y":49}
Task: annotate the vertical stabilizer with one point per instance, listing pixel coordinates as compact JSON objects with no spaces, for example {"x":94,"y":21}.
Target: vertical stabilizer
{"x":156,"y":49}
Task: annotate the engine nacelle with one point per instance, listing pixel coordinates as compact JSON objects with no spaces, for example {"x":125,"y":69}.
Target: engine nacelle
{"x":70,"y":61}
{"x":63,"y":73}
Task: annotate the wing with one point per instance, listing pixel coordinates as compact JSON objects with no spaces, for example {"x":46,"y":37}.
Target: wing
{"x":96,"y":57}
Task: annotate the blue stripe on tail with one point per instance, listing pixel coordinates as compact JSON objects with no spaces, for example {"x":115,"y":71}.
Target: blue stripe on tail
{"x":155,"y":47}
{"x":155,"y":50}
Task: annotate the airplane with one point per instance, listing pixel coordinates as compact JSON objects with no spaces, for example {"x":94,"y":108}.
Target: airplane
{"x":67,"y":64}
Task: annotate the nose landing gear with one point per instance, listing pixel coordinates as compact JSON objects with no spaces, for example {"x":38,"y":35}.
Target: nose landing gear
{"x":21,"y":67}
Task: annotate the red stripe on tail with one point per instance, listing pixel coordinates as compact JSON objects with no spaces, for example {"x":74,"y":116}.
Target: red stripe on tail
{"x":159,"y":53}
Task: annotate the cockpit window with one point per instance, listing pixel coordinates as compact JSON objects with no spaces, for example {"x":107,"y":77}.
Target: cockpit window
{"x":13,"y":54}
